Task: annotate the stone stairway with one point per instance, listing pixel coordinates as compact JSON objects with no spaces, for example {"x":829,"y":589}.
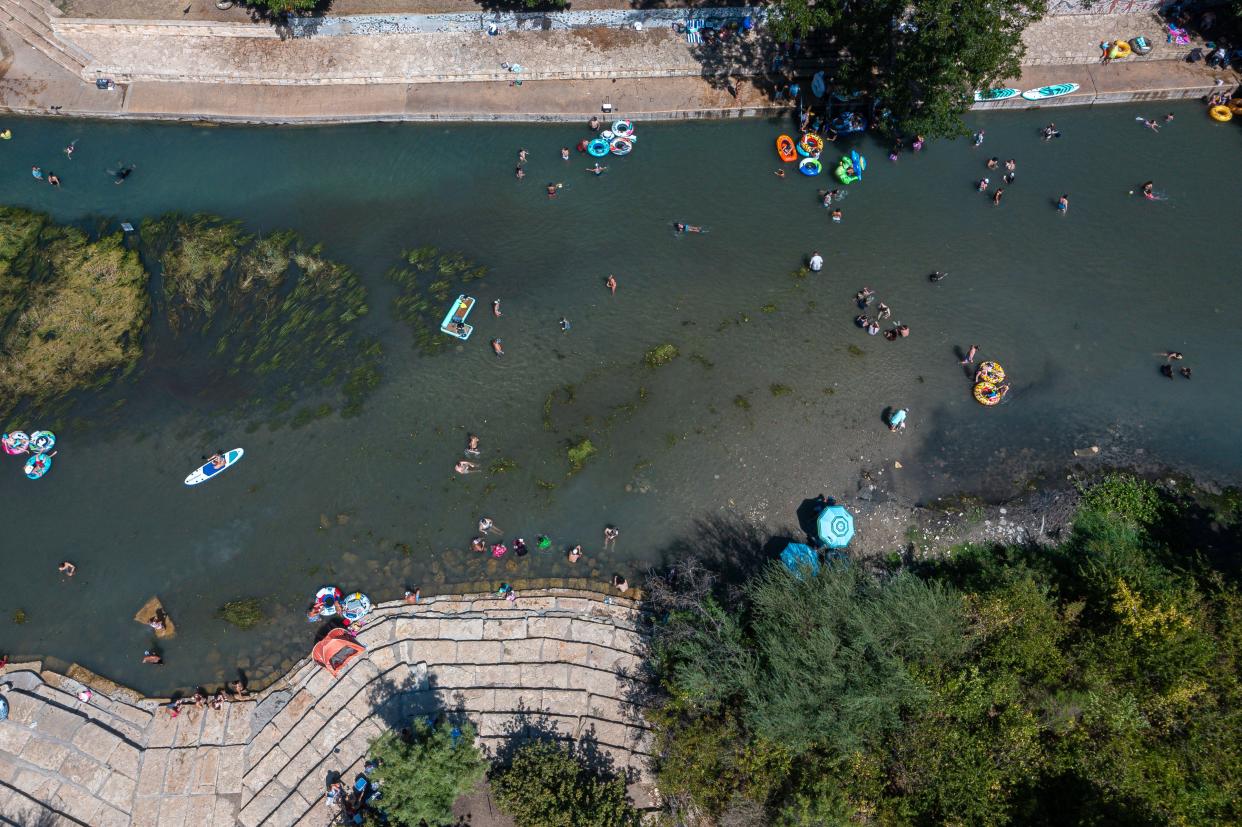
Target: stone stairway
{"x":559,"y":662}
{"x":31,"y":20}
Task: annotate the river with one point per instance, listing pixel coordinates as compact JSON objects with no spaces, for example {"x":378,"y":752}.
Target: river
{"x":776,"y":395}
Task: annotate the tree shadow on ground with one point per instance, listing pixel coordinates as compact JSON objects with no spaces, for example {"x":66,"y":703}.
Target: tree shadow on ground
{"x":530,"y":725}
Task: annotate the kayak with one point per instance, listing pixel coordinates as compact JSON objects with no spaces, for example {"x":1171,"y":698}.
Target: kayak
{"x":206,"y":471}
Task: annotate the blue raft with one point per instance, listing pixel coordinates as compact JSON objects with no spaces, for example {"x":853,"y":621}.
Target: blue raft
{"x":454,"y":323}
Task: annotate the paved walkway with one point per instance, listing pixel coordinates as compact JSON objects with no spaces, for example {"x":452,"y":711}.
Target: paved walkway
{"x":557,"y":661}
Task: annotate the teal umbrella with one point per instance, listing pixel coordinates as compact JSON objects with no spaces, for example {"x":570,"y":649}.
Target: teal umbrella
{"x":836,"y":526}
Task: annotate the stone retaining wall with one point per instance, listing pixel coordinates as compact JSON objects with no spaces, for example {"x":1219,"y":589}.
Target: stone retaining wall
{"x":559,"y":661}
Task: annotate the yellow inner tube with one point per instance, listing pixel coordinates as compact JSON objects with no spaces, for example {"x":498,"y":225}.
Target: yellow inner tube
{"x":1120,"y":49}
{"x":812,"y":143}
{"x":987,"y":393}
{"x":1220,"y":113}
{"x":992,"y":372}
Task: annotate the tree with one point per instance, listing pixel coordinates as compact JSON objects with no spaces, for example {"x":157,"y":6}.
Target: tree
{"x":922,"y":59}
{"x":422,"y":777}
{"x":546,"y":785}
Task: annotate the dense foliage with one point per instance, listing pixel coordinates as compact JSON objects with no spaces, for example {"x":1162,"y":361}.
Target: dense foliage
{"x":421,"y":776}
{"x":1096,"y":682}
{"x":923,"y":59}
{"x":546,"y":784}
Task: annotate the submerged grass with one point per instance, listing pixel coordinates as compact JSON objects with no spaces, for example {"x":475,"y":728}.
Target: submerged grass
{"x":422,"y":305}
{"x":661,"y":355}
{"x":578,"y":453}
{"x":244,"y":614}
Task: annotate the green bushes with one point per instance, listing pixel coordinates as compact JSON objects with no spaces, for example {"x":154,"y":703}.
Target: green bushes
{"x":547,"y":785}
{"x":422,"y":777}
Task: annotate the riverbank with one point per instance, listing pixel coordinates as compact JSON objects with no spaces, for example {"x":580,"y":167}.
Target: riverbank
{"x":558,"y":661}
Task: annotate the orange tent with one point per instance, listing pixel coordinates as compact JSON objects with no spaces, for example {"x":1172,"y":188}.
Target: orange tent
{"x":335,"y":651}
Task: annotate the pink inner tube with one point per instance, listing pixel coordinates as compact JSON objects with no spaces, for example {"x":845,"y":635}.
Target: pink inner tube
{"x":16,"y":443}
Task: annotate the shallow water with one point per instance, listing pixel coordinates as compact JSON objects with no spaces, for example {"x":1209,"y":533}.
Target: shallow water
{"x":769,"y":402}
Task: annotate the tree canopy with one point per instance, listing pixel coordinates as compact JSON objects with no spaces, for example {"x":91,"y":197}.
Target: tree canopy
{"x":922,"y":59}
{"x":423,"y":776}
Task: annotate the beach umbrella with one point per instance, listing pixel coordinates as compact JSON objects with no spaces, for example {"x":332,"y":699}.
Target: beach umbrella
{"x":836,"y":526}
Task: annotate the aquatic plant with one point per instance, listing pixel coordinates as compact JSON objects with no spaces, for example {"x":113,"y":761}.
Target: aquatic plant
{"x":503,"y":465}
{"x":769,"y":308}
{"x":855,"y":350}
{"x":545,"y":485}
{"x":244,"y":614}
{"x":195,"y":254}
{"x":660,"y":355}
{"x":421,"y":308}
{"x":578,"y":453}
{"x":19,"y":616}
{"x":702,"y":360}
{"x":742,"y":402}
{"x":72,"y":310}
{"x":779,"y":389}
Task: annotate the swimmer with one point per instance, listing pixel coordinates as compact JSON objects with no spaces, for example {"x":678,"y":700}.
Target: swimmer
{"x":983,"y":184}
{"x":1011,"y":165}
{"x":970,"y":355}
{"x":519,"y":173}
{"x":620,"y":583}
{"x":238,"y":690}
{"x":862,"y":320}
{"x":979,"y":138}
{"x":498,"y":347}
{"x":1152,"y":125}
{"x":1185,"y":372}
{"x":519,"y":547}
{"x":121,"y":174}
{"x":891,"y":335}
{"x":152,"y":657}
{"x":66,"y":568}
{"x":496,"y":308}
{"x":552,"y":188}
{"x":53,"y":180}
{"x":897,"y":421}
{"x":478,"y":544}
{"x":564,"y":153}
{"x":883,"y":311}
{"x":1167,"y":370}
{"x":903,"y":330}
{"x":575,"y":553}
{"x":1171,"y":355}
{"x":992,"y":162}
{"x":817,"y":261}
{"x":996,"y":196}
{"x":1063,"y":204}
{"x":486,"y":526}
{"x":1148,"y":191}
{"x":1050,"y":131}
{"x":937,"y":276}
{"x":37,"y":173}
{"x":1168,"y":117}
{"x":472,"y":444}
{"x":598,"y":169}
{"x":611,"y":284}
{"x":872,"y":328}
{"x":564,"y":324}
{"x":499,"y":550}
{"x":1008,"y":177}
{"x":465,"y":467}
{"x":610,"y":536}
{"x":917,"y":146}
{"x":522,"y":156}
{"x":836,"y":216}
{"x":72,"y":148}
{"x":412,"y":596}
{"x":864,"y":296}
{"x":780,"y":173}
{"x":593,"y":124}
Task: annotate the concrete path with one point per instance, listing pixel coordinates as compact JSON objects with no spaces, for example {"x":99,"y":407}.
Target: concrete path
{"x":558,"y":661}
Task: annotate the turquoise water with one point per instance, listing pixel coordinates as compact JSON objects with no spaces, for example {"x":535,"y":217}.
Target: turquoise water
{"x":769,"y":402}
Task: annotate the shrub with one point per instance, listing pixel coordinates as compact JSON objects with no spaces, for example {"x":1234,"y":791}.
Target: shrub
{"x":1124,"y":495}
{"x":546,"y":785}
{"x":422,"y":777}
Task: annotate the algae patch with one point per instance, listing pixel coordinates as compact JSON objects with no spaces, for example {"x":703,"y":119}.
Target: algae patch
{"x":244,"y":614}
{"x":578,"y":453}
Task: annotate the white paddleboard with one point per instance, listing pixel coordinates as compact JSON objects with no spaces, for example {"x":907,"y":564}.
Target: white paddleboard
{"x":1054,"y":91}
{"x":996,"y":94}
{"x":206,"y":472}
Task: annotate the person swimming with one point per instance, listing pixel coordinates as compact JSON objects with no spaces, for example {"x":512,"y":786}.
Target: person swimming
{"x":984,"y":183}
{"x":593,"y":124}
{"x":864,"y":297}
{"x":1167,"y":370}
{"x":992,"y":162}
{"x":496,"y":308}
{"x":478,"y":544}
{"x":686,"y":228}
{"x":519,"y":173}
{"x":564,"y":323}
{"x":883,"y":311}
{"x":836,"y":216}
{"x":1063,"y":204}
{"x":872,"y":328}
{"x":472,"y":444}
{"x":862,"y":320}
{"x":1149,"y":191}
{"x":937,"y":276}
{"x":552,"y":188}
{"x":498,"y":347}
{"x":611,"y":284}
{"x":564,"y":153}
{"x":121,"y":174}
{"x":1185,"y":372}
{"x":598,"y":169}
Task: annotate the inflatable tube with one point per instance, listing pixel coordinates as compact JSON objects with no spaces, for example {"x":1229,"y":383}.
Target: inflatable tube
{"x":355,"y":607}
{"x":620,"y":146}
{"x":38,"y":465}
{"x":845,"y":172}
{"x":597,"y":148}
{"x":785,"y":149}
{"x":1120,"y":49}
{"x":811,"y":144}
{"x":992,"y":372}
{"x":15,"y":443}
{"x":1139,"y":45}
{"x":622,"y":128}
{"x":988,"y":394}
{"x":1221,"y":114}
{"x":810,"y":166}
{"x":328,"y":601}
{"x":6,"y":135}
{"x":607,"y":135}
{"x":42,"y":441}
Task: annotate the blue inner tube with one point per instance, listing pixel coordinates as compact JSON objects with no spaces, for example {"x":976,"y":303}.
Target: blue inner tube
{"x":597,"y":148}
{"x":37,"y":466}
{"x":810,"y":166}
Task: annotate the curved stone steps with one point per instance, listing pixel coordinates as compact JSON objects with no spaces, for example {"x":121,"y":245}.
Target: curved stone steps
{"x":31,"y":21}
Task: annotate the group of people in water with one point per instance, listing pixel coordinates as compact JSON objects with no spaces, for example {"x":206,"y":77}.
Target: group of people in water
{"x":1170,"y":357}
{"x":864,"y":298}
{"x":122,"y":171}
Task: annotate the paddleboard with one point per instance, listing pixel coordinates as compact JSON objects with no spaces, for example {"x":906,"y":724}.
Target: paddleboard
{"x":206,"y":472}
{"x":1054,"y":91}
{"x":996,"y":94}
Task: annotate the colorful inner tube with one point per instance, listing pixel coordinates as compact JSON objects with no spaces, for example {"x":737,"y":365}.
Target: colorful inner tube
{"x":785,"y":149}
{"x":38,"y":465}
{"x":811,"y":144}
{"x":355,"y":606}
{"x":16,"y":442}
{"x":1118,"y":50}
{"x":1220,"y":113}
{"x":992,"y":372}
{"x":621,"y":146}
{"x":845,"y":172}
{"x":42,"y":441}
{"x":810,"y":166}
{"x":597,"y":148}
{"x":622,"y":128}
{"x":988,"y":393}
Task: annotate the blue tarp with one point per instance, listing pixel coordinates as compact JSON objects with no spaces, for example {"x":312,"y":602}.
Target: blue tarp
{"x":836,"y":526}
{"x":798,"y":557}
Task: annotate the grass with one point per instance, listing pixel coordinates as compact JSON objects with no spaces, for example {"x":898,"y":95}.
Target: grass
{"x":244,"y":614}
{"x":661,"y":355}
{"x":578,"y":453}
